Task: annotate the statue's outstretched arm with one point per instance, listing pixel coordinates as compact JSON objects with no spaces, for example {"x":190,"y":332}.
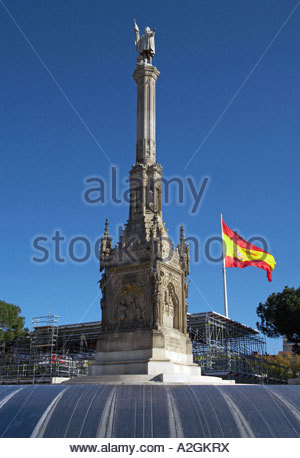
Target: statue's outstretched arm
{"x":153,"y":32}
{"x":137,"y":33}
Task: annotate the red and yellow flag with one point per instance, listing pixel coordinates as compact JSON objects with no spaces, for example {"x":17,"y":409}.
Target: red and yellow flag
{"x":240,"y":253}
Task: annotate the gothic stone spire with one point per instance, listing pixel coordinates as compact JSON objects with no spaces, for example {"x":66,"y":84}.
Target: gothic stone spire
{"x":105,"y":247}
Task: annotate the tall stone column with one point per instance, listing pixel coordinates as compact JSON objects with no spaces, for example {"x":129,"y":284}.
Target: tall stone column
{"x":144,"y":308}
{"x":146,"y":76}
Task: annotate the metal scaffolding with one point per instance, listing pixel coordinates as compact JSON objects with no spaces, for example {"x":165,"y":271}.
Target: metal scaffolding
{"x":222,"y":347}
{"x":231,"y":350}
{"x":78,"y":340}
{"x":44,"y":337}
{"x":49,"y":351}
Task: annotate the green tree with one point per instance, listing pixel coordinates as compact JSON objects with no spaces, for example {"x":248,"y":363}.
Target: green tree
{"x":288,"y":360}
{"x":11,"y":323}
{"x":280,"y":316}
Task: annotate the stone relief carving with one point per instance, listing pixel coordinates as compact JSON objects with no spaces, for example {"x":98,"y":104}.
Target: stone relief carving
{"x":129,"y":312}
{"x":130,"y":303}
{"x":172,"y":301}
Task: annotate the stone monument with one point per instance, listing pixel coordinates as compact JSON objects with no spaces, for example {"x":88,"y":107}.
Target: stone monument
{"x":144,"y":282}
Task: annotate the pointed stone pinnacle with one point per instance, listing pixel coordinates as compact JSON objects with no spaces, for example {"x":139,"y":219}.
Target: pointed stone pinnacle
{"x":182,"y":236}
{"x":106,"y":231}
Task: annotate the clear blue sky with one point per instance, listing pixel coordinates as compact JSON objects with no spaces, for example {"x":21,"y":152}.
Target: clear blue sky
{"x":205,"y":50}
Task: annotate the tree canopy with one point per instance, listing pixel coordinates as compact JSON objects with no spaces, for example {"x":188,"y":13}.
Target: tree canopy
{"x":280,"y":316}
{"x":11,"y":323}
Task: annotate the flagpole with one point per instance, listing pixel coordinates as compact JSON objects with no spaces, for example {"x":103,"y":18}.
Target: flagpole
{"x":224,"y":272}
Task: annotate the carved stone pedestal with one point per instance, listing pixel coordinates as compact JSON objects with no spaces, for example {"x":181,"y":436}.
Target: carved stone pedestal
{"x":149,"y":352}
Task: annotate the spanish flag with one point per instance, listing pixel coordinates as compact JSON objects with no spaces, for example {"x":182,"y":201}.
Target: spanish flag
{"x":239,"y":253}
